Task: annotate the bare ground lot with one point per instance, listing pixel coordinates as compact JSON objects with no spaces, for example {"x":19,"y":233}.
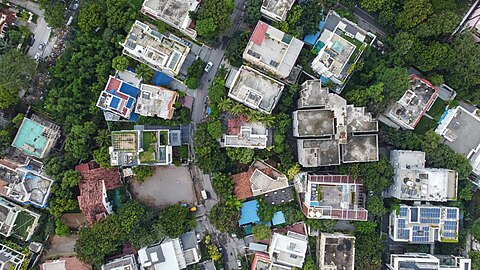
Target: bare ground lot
{"x":168,"y":185}
{"x":61,"y":246}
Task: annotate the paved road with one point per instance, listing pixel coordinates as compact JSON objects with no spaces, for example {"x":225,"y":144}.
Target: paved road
{"x":367,"y":22}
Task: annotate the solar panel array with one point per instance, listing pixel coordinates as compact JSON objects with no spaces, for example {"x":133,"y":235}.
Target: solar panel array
{"x":402,"y":232}
{"x":452,"y":213}
{"x":403,"y":211}
{"x":421,"y":234}
{"x":430,"y":215}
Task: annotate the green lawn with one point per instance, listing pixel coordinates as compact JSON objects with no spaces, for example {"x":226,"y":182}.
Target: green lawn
{"x":147,"y":140}
{"x":437,"y":109}
{"x":424,"y":125}
{"x":22,"y":223}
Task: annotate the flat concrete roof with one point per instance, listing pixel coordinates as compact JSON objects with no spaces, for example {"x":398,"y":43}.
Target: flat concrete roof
{"x":272,"y":50}
{"x":316,"y":123}
{"x":255,"y":90}
{"x":318,"y":152}
{"x":249,"y":135}
{"x":336,"y":251}
{"x":312,"y":94}
{"x":173,"y":12}
{"x":156,"y":101}
{"x":276,"y":9}
{"x":358,"y":120}
{"x":361,"y":148}
{"x":414,"y":103}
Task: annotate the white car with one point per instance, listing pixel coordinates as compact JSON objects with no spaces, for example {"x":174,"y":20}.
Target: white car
{"x":36,"y":57}
{"x":208,"y":66}
{"x":239,"y":263}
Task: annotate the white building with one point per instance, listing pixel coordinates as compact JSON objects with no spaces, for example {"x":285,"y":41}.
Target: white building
{"x":336,"y":251}
{"x":276,"y":10}
{"x":124,"y":263}
{"x":428,"y":261}
{"x":17,"y":221}
{"x":288,"y":249}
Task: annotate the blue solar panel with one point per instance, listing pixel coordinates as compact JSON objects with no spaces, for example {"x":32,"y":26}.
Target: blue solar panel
{"x":452,"y":213}
{"x":430,"y":212}
{"x":450,"y":226}
{"x":403,"y":234}
{"x":430,"y":220}
{"x":420,"y":239}
{"x":403,"y":212}
{"x":449,"y":235}
{"x":401,"y":223}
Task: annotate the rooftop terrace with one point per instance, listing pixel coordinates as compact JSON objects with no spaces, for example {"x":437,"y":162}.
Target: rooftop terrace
{"x":414,"y":103}
{"x":156,"y":101}
{"x":36,"y":136}
{"x":17,"y":221}
{"x":255,"y":90}
{"x":241,"y":133}
{"x":160,"y":52}
{"x":424,"y":224}
{"x":412,"y":181}
{"x":173,"y":12}
{"x":336,"y":251}
{"x":271,"y":49}
{"x":119,"y":98}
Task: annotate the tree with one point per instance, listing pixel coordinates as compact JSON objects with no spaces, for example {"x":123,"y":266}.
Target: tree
{"x":366,"y":97}
{"x":395,"y":82}
{"x":368,"y":251}
{"x":475,"y":257}
{"x":225,"y":104}
{"x":120,"y":13}
{"x":309,"y":264}
{"x":325,"y":225}
{"x":55,"y":14}
{"x":414,"y":12}
{"x":434,"y":55}
{"x":265,"y":212}
{"x":213,"y":252}
{"x":238,"y":43}
{"x":175,"y":220}
{"x":120,"y":63}
{"x":225,"y":217}
{"x":261,"y":232}
{"x":208,"y":155}
{"x":376,"y":176}
{"x":365,"y":227}
{"x":103,"y":138}
{"x":206,"y":27}
{"x":16,"y":72}
{"x":375,"y":206}
{"x":5,"y":141}
{"x":55,"y":165}
{"x":242,"y":155}
{"x":145,"y":72}
{"x":14,"y":37}
{"x":102,"y":157}
{"x":223,"y":185}
{"x":194,"y":73}
{"x":213,"y":18}
{"x":142,"y":172}
{"x":252,"y":11}
{"x":17,"y":120}
{"x":372,"y":5}
{"x":439,"y":23}
{"x":79,"y":140}
{"x":61,"y":229}
{"x":294,"y":170}
{"x":91,"y":17}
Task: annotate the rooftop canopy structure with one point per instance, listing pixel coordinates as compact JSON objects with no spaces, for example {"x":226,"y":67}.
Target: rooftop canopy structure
{"x":156,"y":101}
{"x":337,"y":197}
{"x":36,"y":136}
{"x":118,"y":99}
{"x":271,"y":49}
{"x":413,"y":182}
{"x":329,"y":131}
{"x":255,"y":90}
{"x":17,"y":221}
{"x":165,"y":54}
{"x":242,"y":133}
{"x":428,"y":261}
{"x":261,"y":178}
{"x":11,"y":259}
{"x":24,"y":185}
{"x":173,"y":12}
{"x":457,"y":125}
{"x":418,"y":99}
{"x":276,"y":10}
{"x":336,"y":251}
{"x":424,"y":224}
{"x":340,"y":46}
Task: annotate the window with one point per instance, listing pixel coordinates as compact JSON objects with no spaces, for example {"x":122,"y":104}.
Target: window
{"x":293,"y":256}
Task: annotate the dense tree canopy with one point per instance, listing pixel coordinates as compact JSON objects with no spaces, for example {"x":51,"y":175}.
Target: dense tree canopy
{"x":213,"y":18}
{"x":252,"y":11}
{"x":175,"y":220}
{"x":91,"y":17}
{"x":261,"y":231}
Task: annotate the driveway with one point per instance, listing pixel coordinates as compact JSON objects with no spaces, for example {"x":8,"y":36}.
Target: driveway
{"x":168,"y":185}
{"x":42,"y":35}
{"x":61,"y":246}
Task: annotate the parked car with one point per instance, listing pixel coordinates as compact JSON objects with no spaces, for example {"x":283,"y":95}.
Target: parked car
{"x":31,"y":40}
{"x":36,"y":57}
{"x":41,"y":46}
{"x":239,"y":263}
{"x":204,"y":194}
{"x":208,"y":66}
{"x":199,"y":237}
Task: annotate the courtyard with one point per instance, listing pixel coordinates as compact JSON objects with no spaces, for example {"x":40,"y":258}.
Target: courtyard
{"x":168,"y":185}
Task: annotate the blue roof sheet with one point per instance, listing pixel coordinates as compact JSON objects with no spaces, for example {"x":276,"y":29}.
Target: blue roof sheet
{"x":249,"y":213}
{"x":130,"y":103}
{"x":278,"y":218}
{"x":114,"y":103}
{"x":311,"y":39}
{"x":129,"y":90}
{"x":161,"y":79}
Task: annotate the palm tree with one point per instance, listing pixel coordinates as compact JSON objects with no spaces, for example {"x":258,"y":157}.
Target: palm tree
{"x":225,"y":104}
{"x":267,"y":119}
{"x":236,"y":109}
{"x":103,"y":137}
{"x":254,"y":115}
{"x":145,"y":72}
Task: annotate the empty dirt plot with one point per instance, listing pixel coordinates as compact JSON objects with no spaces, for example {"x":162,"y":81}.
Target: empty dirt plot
{"x":168,"y":185}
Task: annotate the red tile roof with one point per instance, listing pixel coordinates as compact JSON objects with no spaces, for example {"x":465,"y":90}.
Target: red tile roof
{"x":234,"y":125}
{"x":242,"y":186}
{"x":70,"y":263}
{"x":91,"y":190}
{"x":259,"y":34}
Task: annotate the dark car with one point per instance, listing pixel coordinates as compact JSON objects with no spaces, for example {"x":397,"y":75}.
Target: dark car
{"x":31,"y":40}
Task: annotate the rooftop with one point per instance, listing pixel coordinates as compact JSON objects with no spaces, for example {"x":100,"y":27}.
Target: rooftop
{"x":255,"y":90}
{"x":124,"y":263}
{"x":167,"y":255}
{"x":17,"y":221}
{"x":412,"y":181}
{"x":271,"y":49}
{"x":330,"y":131}
{"x":288,"y":249}
{"x":173,"y":12}
{"x":414,"y":103}
{"x":24,"y":185}
{"x":65,"y":263}
{"x":94,"y":184}
{"x":156,"y":101}
{"x":458,"y":124}
{"x":336,"y":251}
{"x":338,"y":197}
{"x":36,"y":136}
{"x":165,"y":54}
{"x":276,"y":9}
{"x":119,"y":98}
{"x":428,"y":261}
{"x":260,"y":178}
{"x":242,"y":133}
{"x":11,"y":259}
{"x":423,"y":224}
{"x":340,"y":45}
